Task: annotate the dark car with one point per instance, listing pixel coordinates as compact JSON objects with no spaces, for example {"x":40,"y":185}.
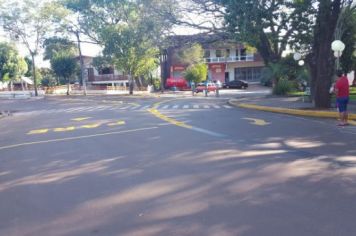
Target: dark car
{"x":236,"y":84}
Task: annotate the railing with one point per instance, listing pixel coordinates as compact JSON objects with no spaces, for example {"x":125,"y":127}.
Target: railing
{"x":248,"y":57}
{"x":109,"y":77}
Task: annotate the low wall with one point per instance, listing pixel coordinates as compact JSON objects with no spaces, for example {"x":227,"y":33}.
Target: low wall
{"x":20,"y":94}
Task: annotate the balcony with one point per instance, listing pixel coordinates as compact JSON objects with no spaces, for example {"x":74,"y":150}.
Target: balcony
{"x":248,"y":57}
{"x":107,"y":77}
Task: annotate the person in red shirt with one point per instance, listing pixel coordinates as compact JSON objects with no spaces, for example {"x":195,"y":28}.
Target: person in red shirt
{"x":342,"y":97}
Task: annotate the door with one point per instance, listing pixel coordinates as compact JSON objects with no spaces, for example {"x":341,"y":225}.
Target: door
{"x":227,"y":77}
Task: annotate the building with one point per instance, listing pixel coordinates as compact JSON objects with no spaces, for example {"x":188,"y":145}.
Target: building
{"x":226,"y":60}
{"x":106,"y":77}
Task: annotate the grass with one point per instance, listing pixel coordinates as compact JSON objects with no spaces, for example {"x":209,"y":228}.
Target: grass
{"x":351,"y":98}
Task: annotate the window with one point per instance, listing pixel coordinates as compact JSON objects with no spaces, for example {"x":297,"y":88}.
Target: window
{"x":227,"y":53}
{"x":218,"y":53}
{"x":248,"y":74}
{"x":207,"y":54}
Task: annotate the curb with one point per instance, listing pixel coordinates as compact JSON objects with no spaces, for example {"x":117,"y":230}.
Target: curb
{"x":312,"y":113}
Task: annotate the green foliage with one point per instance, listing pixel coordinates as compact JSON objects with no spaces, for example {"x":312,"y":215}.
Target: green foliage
{"x":64,"y":65}
{"x":268,"y":26}
{"x":12,"y":66}
{"x":48,"y":78}
{"x":190,"y":55}
{"x":196,"y":73}
{"x":55,"y":45}
{"x":286,"y":68}
{"x":101,"y":62}
{"x":348,"y":37}
{"x":28,"y":22}
{"x":282,"y":87}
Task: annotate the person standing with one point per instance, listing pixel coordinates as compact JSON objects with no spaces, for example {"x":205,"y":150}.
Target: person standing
{"x":342,"y":92}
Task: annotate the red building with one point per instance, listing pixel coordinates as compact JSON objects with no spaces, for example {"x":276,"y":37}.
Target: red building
{"x":226,"y":60}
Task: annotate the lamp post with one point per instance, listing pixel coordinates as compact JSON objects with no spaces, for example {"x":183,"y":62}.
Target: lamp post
{"x":338,"y":47}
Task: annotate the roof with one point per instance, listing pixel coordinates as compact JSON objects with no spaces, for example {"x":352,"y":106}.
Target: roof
{"x":27,"y":80}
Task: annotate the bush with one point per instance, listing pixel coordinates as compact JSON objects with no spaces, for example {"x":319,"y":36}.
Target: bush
{"x":282,"y":87}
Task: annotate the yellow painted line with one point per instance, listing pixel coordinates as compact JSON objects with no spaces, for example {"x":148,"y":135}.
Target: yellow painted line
{"x":257,"y":121}
{"x":38,"y":131}
{"x":352,"y":122}
{"x":75,"y":138}
{"x":80,"y":118}
{"x":323,"y":114}
{"x":70,"y":128}
{"x":121,"y":122}
{"x":90,"y":126}
{"x":156,"y":113}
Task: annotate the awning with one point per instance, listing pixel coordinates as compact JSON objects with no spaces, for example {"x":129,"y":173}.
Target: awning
{"x":27,"y":80}
{"x":110,"y":82}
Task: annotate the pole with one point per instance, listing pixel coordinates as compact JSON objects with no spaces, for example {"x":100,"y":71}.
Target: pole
{"x":81,"y":64}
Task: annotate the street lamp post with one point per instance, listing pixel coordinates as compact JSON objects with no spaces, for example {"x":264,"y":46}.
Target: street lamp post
{"x":338,"y":47}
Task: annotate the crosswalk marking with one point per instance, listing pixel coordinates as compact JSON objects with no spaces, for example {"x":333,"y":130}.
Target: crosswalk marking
{"x":125,"y":107}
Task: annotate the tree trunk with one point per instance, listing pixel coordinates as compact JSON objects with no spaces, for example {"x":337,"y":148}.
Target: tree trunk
{"x":82,"y":79}
{"x":322,"y":64}
{"x":34,"y":73}
{"x":68,"y":86}
{"x":131,"y":84}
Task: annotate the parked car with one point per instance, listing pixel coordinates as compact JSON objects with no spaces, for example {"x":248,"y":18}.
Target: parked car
{"x":211,"y":87}
{"x":176,"y":83}
{"x":240,"y":84}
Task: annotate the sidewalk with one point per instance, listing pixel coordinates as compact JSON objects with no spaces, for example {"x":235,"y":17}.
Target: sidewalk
{"x":290,"y":105}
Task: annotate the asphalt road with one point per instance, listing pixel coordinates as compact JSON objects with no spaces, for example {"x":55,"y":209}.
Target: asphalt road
{"x":166,"y":166}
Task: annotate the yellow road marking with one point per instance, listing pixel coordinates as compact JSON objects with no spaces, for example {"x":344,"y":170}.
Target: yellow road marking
{"x":257,"y":121}
{"x":351,"y":122}
{"x":70,"y":128}
{"x":120,"y":122}
{"x":90,"y":126}
{"x":80,"y":118}
{"x":38,"y":131}
{"x":74,"y":138}
{"x":156,"y":113}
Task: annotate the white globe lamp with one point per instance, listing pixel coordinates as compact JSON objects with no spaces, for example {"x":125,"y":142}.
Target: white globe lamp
{"x":301,"y":63}
{"x":337,"y":45}
{"x":297,"y":56}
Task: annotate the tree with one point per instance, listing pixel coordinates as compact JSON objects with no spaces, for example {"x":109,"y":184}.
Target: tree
{"x":8,"y":55}
{"x":196,"y":73}
{"x":347,"y":30}
{"x":130,"y":31}
{"x":268,"y":25}
{"x":12,"y":66}
{"x":64,"y":65}
{"x":28,"y":22}
{"x":55,"y":45}
{"x":192,"y":54}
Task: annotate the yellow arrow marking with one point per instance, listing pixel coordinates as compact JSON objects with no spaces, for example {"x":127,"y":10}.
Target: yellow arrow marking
{"x":90,"y":126}
{"x":70,"y":128}
{"x":120,"y":122}
{"x":38,"y":131}
{"x":80,"y":118}
{"x":351,"y":122}
{"x":257,"y":121}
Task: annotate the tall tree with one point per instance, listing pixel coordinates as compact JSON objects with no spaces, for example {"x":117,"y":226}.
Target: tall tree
{"x":28,"y":22}
{"x":12,"y":65}
{"x":130,"y":31}
{"x":64,"y":65}
{"x":321,"y":60}
{"x":55,"y":45}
